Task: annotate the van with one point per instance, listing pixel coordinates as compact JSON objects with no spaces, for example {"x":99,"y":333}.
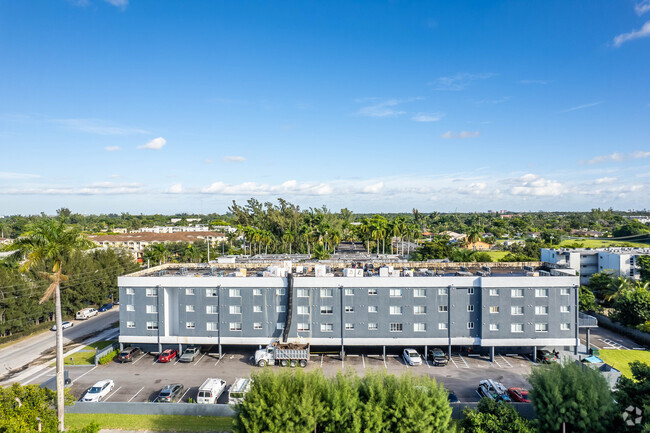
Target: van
{"x":86,"y":313}
{"x":210,"y":391}
{"x":238,"y":390}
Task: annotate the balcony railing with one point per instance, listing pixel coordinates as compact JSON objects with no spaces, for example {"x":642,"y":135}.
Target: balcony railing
{"x":587,"y":321}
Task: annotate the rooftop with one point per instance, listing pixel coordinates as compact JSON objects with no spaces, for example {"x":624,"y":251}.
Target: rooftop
{"x":614,"y":250}
{"x":156,"y":237}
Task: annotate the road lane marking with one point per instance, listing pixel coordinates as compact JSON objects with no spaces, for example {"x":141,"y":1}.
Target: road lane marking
{"x":364,"y":362}
{"x":134,"y":395}
{"x":73,"y":380}
{"x":112,"y":393}
{"x":34,"y":378}
{"x":463,"y":359}
{"x":182,"y":396}
{"x":220,"y":358}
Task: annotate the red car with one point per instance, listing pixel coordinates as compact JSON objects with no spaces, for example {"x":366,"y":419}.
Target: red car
{"x":519,"y":395}
{"x":167,"y":355}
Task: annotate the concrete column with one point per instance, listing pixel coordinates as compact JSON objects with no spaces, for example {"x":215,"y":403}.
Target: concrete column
{"x":492,"y":354}
{"x":534,"y":353}
{"x":219,"y":350}
{"x":121,"y":347}
{"x":159,"y":348}
{"x":180,"y":349}
{"x":384,"y":353}
{"x":449,"y":351}
{"x":588,"y":336}
{"x":425,"y":351}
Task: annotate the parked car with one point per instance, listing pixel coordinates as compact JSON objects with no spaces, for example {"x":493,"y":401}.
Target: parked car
{"x":189,"y":354}
{"x":493,"y":389}
{"x":99,"y":390}
{"x":86,"y":313}
{"x":210,"y":391}
{"x":519,"y":395}
{"x":105,"y":307}
{"x":65,"y":325}
{"x":128,"y":354}
{"x":167,"y":355}
{"x":169,"y":393}
{"x":546,"y":356}
{"x":438,"y":357}
{"x":412,"y":357}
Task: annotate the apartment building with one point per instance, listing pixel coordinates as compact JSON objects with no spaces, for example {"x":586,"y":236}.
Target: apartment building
{"x":175,"y":306}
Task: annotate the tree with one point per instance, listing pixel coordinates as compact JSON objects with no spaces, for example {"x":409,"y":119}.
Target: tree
{"x":588,"y":300}
{"x":601,"y":284}
{"x":493,"y":417}
{"x":632,"y":307}
{"x":635,"y":392}
{"x":288,"y":238}
{"x":572,"y":394}
{"x":51,"y":242}
{"x":644,"y":265}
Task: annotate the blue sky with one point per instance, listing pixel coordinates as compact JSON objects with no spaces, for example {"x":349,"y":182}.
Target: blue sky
{"x":160,"y":106}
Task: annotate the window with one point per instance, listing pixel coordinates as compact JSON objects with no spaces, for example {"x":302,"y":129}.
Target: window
{"x":470,"y":308}
{"x":213,"y":293}
{"x":189,"y":308}
{"x":211,"y":309}
{"x":565,"y":309}
{"x":235,"y":309}
{"x":517,"y":327}
{"x":517,"y":293}
{"x":442,"y":308}
{"x":257,"y":325}
{"x":151,"y":292}
{"x":257,"y":292}
{"x":233,"y":293}
{"x":565,"y":326}
{"x":349,"y":326}
{"x":372,"y":292}
{"x":279,"y":326}
{"x":152,"y":309}
{"x":303,"y":293}
{"x":494,"y":292}
{"x":152,"y":326}
{"x":189,"y":292}
{"x":395,"y":309}
{"x":280,"y":292}
{"x":349,"y":292}
{"x":372,"y":309}
{"x":280,"y":309}
{"x":303,"y":309}
{"x":541,"y":310}
{"x":130,"y":307}
{"x":372,"y":326}
{"x":349,"y":308}
{"x":325,"y":309}
{"x":494,"y":309}
{"x":419,"y":327}
{"x":541,"y":293}
{"x":419,"y":309}
{"x":302,"y":327}
{"x":565,"y":291}
{"x":257,"y":308}
{"x":130,"y":291}
{"x":419,"y":293}
{"x":326,"y":327}
{"x":494,"y":326}
{"x":190,"y":325}
{"x":396,"y":327}
{"x":395,"y":293}
{"x":470,"y":290}
{"x":470,"y":325}
{"x":443,"y":291}
{"x":325,"y":293}
{"x":541,"y":327}
{"x":517,"y":311}
{"x":442,"y":325}
{"x":235,"y":326}
{"x":130,"y":324}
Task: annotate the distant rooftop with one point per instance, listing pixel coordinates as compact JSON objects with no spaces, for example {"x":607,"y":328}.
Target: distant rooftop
{"x":614,"y":250}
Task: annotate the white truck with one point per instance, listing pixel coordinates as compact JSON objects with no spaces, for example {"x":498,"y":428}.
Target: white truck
{"x":210,"y":391}
{"x":238,"y":390}
{"x":284,"y":354}
{"x":86,"y":313}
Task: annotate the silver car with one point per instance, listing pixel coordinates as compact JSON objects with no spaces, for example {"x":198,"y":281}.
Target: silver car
{"x":412,"y":357}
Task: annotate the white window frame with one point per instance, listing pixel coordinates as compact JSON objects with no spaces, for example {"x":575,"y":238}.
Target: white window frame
{"x":302,"y":293}
{"x":419,"y":293}
{"x":257,"y":325}
{"x":373,"y":326}
{"x":443,"y":309}
{"x":516,"y":293}
{"x":130,"y":324}
{"x":419,"y":309}
{"x":419,"y":327}
{"x":565,"y":326}
{"x":280,"y":291}
{"x":303,"y":309}
{"x":326,"y":293}
{"x":470,"y":308}
{"x":280,"y":308}
{"x":190,"y":308}
{"x":541,"y":293}
{"x":212,"y":292}
{"x":494,"y":292}
{"x":130,"y":307}
{"x":279,"y":326}
{"x":303,"y":327}
{"x":349,"y":326}
{"x":470,"y":290}
{"x":494,"y":326}
{"x":130,"y":291}
{"x":372,"y":292}
{"x":257,"y":292}
{"x":152,"y":309}
{"x":470,"y":325}
{"x":442,"y":326}
{"x":326,"y":327}
{"x":396,"y":327}
{"x":234,"y":309}
{"x":395,"y":292}
{"x":190,"y":325}
{"x":349,"y":291}
{"x":494,"y":309}
{"x":234,"y":293}
{"x":541,"y":310}
{"x":443,"y":291}
{"x":235,"y":326}
{"x":373,"y":309}
{"x":565,"y":291}
{"x":541,"y":327}
{"x":519,"y":308}
{"x":516,"y":328}
{"x":151,"y":292}
{"x":565,"y":308}
{"x":328,"y":310}
{"x":189,"y":291}
{"x":152,"y":326}
{"x":395,"y":310}
{"x":349,"y":308}
{"x":211,"y":326}
{"x":211,"y":309}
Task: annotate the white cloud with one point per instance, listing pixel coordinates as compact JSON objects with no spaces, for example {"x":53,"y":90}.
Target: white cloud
{"x":118,"y":3}
{"x":234,"y":158}
{"x":493,"y":101}
{"x":374,"y":188}
{"x":98,"y":188}
{"x":461,"y":135}
{"x":253,"y":188}
{"x":639,"y":154}
{"x":536,"y":186}
{"x":208,"y":160}
{"x":98,"y":126}
{"x":618,"y":157}
{"x":384,"y":108}
{"x":642,"y":7}
{"x":458,"y":81}
{"x":155,"y":144}
{"x":603,"y":180}
{"x":580,"y":107}
{"x":5,"y":175}
{"x":112,"y":148}
{"x":176,"y":189}
{"x":427,"y":117}
{"x":643,"y":32}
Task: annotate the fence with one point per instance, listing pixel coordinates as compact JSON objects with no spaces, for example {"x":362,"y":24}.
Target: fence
{"x":105,"y":351}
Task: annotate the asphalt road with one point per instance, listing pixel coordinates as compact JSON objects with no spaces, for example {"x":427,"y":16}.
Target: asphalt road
{"x":40,"y":348}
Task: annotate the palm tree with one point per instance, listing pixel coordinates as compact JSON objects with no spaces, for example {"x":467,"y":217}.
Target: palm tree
{"x":366,"y":230}
{"x":160,"y":252}
{"x":618,"y":286}
{"x":51,"y":242}
{"x":304,"y":233}
{"x":335,"y":239}
{"x":473,"y":236}
{"x":288,"y":237}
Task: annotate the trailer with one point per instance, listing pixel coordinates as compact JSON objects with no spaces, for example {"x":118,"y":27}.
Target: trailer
{"x":284,"y":354}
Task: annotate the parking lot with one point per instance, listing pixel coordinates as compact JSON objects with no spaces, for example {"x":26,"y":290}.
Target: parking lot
{"x":141,"y":380}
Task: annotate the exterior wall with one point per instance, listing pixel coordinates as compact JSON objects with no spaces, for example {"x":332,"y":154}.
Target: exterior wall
{"x":589,"y":262}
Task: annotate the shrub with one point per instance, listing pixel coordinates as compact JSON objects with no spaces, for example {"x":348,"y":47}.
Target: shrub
{"x":108,"y":358}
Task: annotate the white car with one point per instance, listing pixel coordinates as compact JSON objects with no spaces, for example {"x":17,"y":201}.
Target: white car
{"x":412,"y":357}
{"x":99,"y":390}
{"x":64,"y":325}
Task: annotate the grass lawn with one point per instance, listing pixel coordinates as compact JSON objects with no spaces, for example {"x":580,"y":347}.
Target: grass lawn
{"x":166,"y":423}
{"x":86,"y":356}
{"x":619,"y":359}
{"x":600,"y":243}
{"x":496,"y":255}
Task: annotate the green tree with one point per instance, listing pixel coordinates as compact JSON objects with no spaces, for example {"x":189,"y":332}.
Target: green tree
{"x":574,"y":395}
{"x":644,"y":266}
{"x":493,"y":417}
{"x":587,"y":300}
{"x":632,"y":307}
{"x":635,"y":392}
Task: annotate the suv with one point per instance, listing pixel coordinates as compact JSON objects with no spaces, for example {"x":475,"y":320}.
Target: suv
{"x":438,"y":357}
{"x":546,"y":357}
{"x":128,"y":354}
{"x":169,"y":393}
{"x":411,"y":357}
{"x":493,"y":390}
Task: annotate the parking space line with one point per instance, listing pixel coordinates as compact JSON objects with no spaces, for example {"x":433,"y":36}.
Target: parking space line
{"x":385,"y":366}
{"x":155,"y":360}
{"x":134,"y":395}
{"x":186,"y":391}
{"x":220,"y":358}
{"x":454,"y":362}
{"x":427,"y":361}
{"x":526,"y":356}
{"x":73,"y":380}
{"x":463,"y":359}
{"x":343,"y":362}
{"x":136,"y":361}
{"x":199,"y":360}
{"x":112,"y":393}
{"x":509,"y":365}
{"x":321,"y":360}
{"x":364,"y":362}
{"x":177,"y":360}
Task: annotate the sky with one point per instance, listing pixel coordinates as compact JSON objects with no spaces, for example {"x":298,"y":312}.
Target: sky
{"x":110,"y":106}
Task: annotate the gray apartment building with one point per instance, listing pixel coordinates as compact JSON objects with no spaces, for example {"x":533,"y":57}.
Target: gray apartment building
{"x":176,"y":307}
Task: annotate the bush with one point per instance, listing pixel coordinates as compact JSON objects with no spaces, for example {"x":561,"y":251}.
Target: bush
{"x":632,"y":307}
{"x":108,"y":358}
{"x":493,"y":417}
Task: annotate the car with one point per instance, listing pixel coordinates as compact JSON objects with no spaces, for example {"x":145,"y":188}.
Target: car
{"x":167,"y":355}
{"x":65,"y":325}
{"x":98,"y":391}
{"x":189,"y":354}
{"x":546,"y":356}
{"x":128,"y":354}
{"x":169,"y":393}
{"x":438,"y":357}
{"x":412,"y":357}
{"x":519,"y":395}
{"x":493,"y":390}
{"x":105,"y":308}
